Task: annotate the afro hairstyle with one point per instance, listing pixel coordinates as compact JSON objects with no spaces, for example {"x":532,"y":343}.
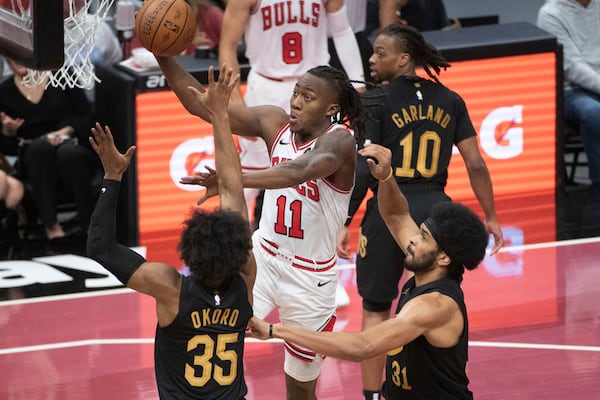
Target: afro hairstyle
{"x":215,"y":246}
{"x":461,"y":235}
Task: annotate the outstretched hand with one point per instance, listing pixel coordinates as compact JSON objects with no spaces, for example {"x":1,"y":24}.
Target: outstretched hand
{"x":216,"y":99}
{"x":207,"y":179}
{"x":114,"y":163}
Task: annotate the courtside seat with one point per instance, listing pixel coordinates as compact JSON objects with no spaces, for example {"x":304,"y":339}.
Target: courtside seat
{"x":573,"y":147}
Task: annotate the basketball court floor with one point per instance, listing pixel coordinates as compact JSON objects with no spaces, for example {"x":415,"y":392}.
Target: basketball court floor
{"x":534,"y":333}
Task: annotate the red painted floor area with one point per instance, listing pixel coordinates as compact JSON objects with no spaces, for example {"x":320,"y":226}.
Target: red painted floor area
{"x":535,"y":333}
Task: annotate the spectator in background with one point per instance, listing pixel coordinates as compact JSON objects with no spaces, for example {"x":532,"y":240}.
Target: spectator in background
{"x":106,"y":45}
{"x":575,"y":24}
{"x":209,"y":18}
{"x":52,"y":126}
{"x":11,"y":193}
{"x":425,"y":15}
{"x":11,"y":189}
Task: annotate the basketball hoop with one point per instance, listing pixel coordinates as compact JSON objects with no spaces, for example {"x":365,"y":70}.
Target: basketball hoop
{"x":80,"y":30}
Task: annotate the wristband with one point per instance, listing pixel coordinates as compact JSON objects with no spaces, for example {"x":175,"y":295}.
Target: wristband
{"x":270,"y":331}
{"x":389,"y":176}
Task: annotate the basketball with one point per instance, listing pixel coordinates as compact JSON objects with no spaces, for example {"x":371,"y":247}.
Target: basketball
{"x":165,"y":27}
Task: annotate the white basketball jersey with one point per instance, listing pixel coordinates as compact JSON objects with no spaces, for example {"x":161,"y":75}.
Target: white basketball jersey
{"x":304,"y":220}
{"x":284,"y":38}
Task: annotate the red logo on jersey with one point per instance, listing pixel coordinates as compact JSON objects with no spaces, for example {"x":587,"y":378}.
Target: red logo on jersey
{"x":282,"y":13}
{"x":308,"y":189}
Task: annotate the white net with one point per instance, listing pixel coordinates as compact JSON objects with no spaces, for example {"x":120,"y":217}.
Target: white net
{"x":81,"y":21}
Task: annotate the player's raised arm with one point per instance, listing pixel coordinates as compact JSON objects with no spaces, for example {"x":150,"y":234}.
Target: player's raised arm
{"x":227,"y":162}
{"x":243,"y":120}
{"x":235,"y":19}
{"x":393,"y":206}
{"x":158,"y":280}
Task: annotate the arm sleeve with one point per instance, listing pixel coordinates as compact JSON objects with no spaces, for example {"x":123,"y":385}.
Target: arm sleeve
{"x":346,"y":45}
{"x":102,"y":245}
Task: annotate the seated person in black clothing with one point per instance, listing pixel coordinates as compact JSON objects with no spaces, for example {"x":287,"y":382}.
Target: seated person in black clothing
{"x":51,"y":125}
{"x":11,"y":189}
{"x":425,"y":15}
{"x":11,"y":193}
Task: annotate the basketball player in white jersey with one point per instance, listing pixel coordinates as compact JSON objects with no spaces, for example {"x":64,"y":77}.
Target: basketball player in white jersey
{"x":307,"y":194}
{"x":283,"y":40}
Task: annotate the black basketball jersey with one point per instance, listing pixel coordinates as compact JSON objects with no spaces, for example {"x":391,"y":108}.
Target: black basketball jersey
{"x":199,"y":355}
{"x":419,"y":121}
{"x":420,"y":371}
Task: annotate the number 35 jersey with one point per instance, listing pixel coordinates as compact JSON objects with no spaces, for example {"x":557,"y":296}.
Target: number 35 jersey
{"x":200,"y":354}
{"x":420,"y":121}
{"x":283,"y":37}
{"x":304,"y":220}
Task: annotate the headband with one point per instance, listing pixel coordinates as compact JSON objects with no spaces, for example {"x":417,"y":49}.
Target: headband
{"x":434,"y":230}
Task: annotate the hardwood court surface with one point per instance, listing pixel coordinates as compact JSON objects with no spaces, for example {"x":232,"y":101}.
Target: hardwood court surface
{"x":534,"y":316}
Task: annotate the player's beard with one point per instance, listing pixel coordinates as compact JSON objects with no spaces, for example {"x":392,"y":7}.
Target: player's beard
{"x":425,"y":263}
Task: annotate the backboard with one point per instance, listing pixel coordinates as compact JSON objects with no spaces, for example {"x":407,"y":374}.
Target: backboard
{"x":31,"y":32}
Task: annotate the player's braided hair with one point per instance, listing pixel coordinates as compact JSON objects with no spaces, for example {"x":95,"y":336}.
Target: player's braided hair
{"x":352,"y":112}
{"x":410,"y":40}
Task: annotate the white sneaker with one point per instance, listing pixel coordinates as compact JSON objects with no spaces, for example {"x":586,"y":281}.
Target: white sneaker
{"x":341,"y":296}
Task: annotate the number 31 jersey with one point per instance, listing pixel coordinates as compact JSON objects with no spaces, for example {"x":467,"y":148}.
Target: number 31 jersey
{"x":303,"y":220}
{"x":283,"y":37}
